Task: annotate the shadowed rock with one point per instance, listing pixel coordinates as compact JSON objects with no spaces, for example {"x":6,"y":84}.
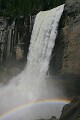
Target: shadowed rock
{"x":65,"y":59}
{"x":71,"y":111}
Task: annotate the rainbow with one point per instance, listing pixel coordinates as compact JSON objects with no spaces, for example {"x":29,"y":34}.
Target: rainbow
{"x":65,"y":101}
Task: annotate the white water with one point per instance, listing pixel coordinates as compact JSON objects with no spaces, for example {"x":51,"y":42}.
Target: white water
{"x":31,"y":84}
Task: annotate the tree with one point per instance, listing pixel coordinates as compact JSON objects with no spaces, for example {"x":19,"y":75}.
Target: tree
{"x":23,"y":7}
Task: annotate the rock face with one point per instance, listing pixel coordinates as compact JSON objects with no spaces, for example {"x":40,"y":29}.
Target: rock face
{"x":15,"y":36}
{"x":71,"y":111}
{"x":66,"y":55}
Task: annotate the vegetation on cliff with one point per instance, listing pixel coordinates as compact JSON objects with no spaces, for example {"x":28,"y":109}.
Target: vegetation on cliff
{"x":23,"y":7}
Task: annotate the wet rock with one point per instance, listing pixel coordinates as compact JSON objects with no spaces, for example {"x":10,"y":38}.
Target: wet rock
{"x":71,"y":111}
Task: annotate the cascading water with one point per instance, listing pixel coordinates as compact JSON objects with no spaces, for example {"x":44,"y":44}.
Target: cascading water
{"x":31,"y":83}
{"x":42,"y":42}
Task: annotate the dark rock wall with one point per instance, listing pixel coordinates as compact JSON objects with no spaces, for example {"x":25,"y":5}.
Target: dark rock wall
{"x":66,"y":54}
{"x":71,"y":111}
{"x":15,"y":37}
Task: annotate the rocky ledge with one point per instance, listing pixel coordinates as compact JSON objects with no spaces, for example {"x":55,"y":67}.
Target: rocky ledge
{"x":70,"y":111}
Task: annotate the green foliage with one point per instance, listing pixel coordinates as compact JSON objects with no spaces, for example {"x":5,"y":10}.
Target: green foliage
{"x":24,"y":7}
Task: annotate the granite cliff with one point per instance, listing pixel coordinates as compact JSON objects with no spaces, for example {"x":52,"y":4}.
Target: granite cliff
{"x":66,"y":55}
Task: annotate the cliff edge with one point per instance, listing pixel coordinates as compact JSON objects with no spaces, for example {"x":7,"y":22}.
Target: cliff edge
{"x":66,"y":54}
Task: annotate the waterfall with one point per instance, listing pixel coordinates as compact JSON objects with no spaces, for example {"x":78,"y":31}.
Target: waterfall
{"x":42,"y":42}
{"x":31,"y":84}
